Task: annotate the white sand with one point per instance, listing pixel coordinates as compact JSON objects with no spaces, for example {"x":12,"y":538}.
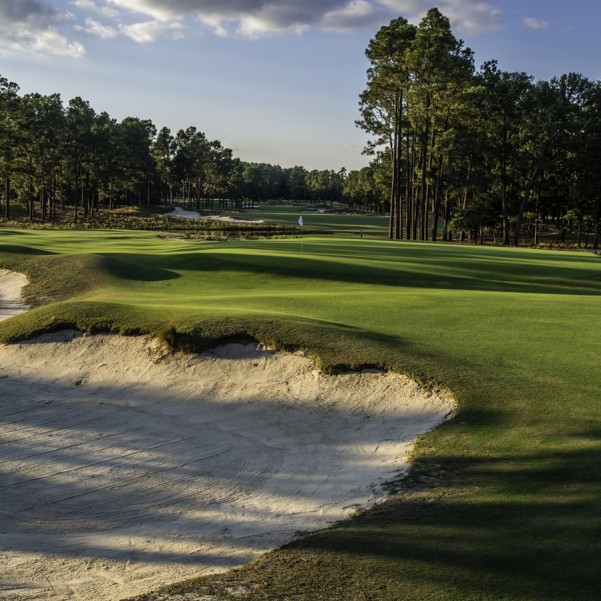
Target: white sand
{"x":11,"y":284}
{"x":121,"y":470}
{"x":179,"y":212}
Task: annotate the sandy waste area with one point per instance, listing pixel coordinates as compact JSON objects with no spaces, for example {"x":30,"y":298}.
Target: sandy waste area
{"x":179,"y":212}
{"x":122,"y":469}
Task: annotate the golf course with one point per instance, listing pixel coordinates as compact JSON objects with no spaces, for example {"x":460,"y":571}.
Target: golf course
{"x":501,"y":502}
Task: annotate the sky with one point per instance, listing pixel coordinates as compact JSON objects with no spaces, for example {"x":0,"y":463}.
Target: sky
{"x":277,"y":81}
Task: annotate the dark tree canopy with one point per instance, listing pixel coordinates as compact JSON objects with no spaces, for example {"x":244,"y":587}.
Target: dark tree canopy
{"x":466,"y":151}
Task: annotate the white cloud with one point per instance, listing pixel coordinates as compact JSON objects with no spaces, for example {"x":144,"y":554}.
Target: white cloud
{"x":36,"y":25}
{"x":355,"y":14}
{"x":50,"y":41}
{"x":532,"y":23}
{"x":89,"y":5}
{"x":98,"y":30}
{"x":160,"y":11}
{"x":262,"y":17}
{"x":269,"y":22}
{"x":254,"y":18}
{"x":216,"y":24}
{"x":150,"y":31}
{"x":472,"y":16}
{"x":467,"y":16}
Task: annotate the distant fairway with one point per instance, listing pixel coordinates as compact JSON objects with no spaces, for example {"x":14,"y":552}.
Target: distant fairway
{"x":504,"y":501}
{"x":315,"y":220}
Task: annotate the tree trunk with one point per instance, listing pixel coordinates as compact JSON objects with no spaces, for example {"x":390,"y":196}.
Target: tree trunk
{"x":436,"y":203}
{"x":43,"y":203}
{"x":504,"y":202}
{"x":580,"y":222}
{"x":7,"y":203}
{"x":423,"y":200}
{"x":408,"y":186}
{"x":399,"y":146}
{"x":447,"y":217}
{"x":524,"y":204}
{"x":84,"y":205}
{"x":393,"y":224}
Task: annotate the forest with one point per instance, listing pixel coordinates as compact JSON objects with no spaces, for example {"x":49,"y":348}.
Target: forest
{"x":71,"y":157}
{"x":468,"y":150}
{"x":456,"y":151}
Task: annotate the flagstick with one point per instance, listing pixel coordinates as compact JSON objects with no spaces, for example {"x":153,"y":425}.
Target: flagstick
{"x":300,"y":222}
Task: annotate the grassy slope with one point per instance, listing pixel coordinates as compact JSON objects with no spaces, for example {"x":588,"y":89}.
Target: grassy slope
{"x":503,"y":503}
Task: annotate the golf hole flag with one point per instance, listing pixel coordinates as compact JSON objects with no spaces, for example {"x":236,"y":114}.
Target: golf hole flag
{"x":300,"y":221}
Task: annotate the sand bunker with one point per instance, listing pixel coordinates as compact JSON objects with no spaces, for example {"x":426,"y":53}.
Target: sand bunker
{"x":179,"y":212}
{"x":121,"y":470}
{"x":11,"y":284}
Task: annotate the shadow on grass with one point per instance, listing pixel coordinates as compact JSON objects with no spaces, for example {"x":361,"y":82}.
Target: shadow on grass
{"x":515,"y":527}
{"x":21,"y":250}
{"x":137,"y":269}
{"x":519,"y":526}
{"x":435,"y":267}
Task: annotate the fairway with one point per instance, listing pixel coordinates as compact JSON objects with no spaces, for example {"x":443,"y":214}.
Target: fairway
{"x":503,"y":500}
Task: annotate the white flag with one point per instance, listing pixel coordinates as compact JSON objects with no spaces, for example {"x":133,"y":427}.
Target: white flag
{"x":300,"y":221}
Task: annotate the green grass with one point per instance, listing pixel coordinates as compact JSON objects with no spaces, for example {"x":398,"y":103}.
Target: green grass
{"x":315,"y":221}
{"x":503,"y":503}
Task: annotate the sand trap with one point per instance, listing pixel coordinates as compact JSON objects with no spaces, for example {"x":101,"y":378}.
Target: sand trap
{"x":121,"y":470}
{"x":179,"y":212}
{"x":11,"y":302}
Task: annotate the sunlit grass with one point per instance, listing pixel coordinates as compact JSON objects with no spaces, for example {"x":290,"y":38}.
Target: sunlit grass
{"x":503,"y":502}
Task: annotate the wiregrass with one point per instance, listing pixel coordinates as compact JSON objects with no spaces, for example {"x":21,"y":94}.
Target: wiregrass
{"x":502,"y":503}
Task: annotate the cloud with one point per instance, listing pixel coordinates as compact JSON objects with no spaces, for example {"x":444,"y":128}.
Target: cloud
{"x":35,"y":25}
{"x":262,"y":17}
{"x":356,"y":14}
{"x":89,"y":5}
{"x":467,"y":16}
{"x":472,"y":16}
{"x":532,"y":23}
{"x":31,"y":25}
{"x":50,"y":41}
{"x":98,"y":30}
{"x":150,"y":31}
{"x":159,"y":10}
{"x":22,"y":11}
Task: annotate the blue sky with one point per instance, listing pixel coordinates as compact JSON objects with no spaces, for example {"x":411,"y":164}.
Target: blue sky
{"x":276,"y":80}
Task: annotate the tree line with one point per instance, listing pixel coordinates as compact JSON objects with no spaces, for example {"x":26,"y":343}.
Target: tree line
{"x":71,"y":157}
{"x":457,"y":151}
{"x":464,"y":150}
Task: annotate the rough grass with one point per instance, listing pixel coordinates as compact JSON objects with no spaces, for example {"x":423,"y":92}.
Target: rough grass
{"x":502,"y":502}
